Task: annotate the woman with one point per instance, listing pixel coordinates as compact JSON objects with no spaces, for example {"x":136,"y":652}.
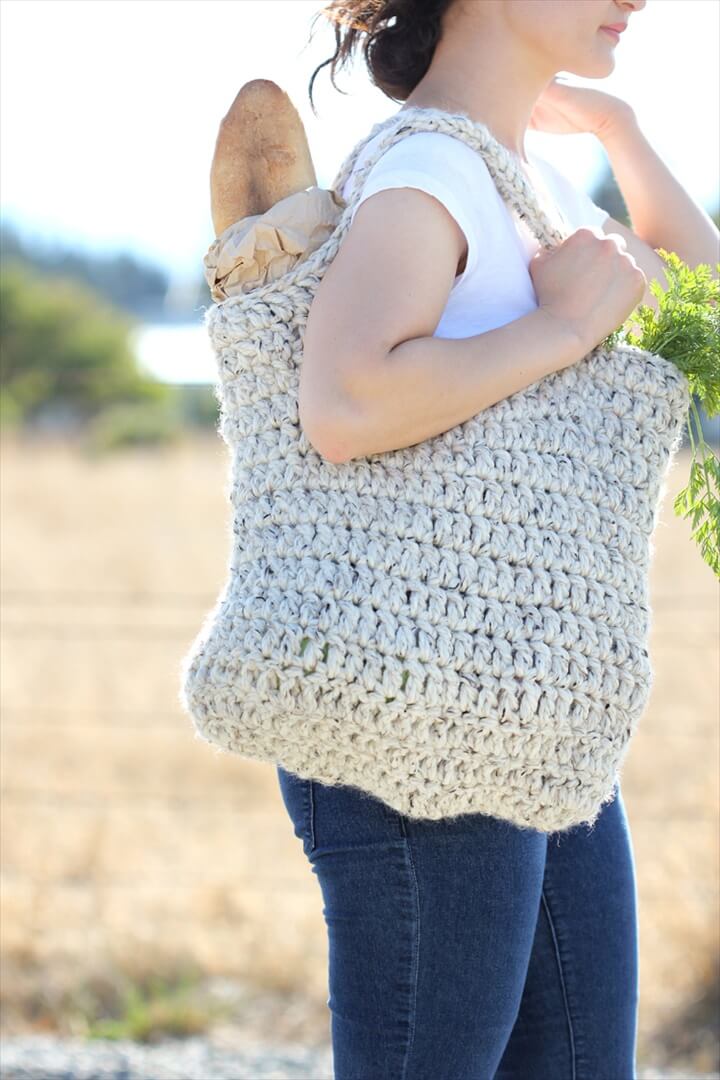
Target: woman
{"x":469,"y":948}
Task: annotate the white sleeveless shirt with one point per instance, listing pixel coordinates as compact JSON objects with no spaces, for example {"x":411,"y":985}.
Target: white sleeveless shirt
{"x":495,"y":287}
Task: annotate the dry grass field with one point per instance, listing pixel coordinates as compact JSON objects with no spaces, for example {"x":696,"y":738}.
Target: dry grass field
{"x":130,"y":847}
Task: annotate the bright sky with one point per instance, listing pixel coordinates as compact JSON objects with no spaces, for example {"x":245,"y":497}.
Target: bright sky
{"x":109,"y":109}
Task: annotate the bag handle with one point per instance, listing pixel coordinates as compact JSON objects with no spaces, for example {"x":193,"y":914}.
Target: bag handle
{"x":503,"y":165}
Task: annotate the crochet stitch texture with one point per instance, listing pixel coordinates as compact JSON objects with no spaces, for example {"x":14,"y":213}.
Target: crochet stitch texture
{"x":458,"y":626}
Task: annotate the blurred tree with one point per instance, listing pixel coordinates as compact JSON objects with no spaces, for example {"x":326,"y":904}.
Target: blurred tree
{"x":63,"y":347}
{"x":127,"y":282}
{"x":607,"y":195}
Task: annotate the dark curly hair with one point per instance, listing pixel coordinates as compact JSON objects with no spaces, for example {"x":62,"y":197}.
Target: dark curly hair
{"x":399,"y":40}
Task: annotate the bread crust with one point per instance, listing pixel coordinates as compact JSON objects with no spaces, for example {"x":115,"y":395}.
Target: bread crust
{"x":261,"y":154}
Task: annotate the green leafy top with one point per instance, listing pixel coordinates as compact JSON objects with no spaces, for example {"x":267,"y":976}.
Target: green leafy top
{"x":685,"y":329}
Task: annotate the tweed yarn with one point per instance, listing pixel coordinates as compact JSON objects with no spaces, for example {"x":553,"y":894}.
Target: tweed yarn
{"x":458,"y":626}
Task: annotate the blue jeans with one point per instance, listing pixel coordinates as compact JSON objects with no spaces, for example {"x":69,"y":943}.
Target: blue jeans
{"x":470,"y":948}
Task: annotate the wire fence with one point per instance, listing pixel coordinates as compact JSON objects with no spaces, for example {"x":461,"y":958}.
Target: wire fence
{"x":59,"y":719}
{"x":42,"y":718}
{"x":138,"y":799}
{"x":129,"y":597}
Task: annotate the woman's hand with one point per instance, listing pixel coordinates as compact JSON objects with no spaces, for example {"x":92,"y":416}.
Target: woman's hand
{"x":589,"y":283}
{"x":562,"y":109}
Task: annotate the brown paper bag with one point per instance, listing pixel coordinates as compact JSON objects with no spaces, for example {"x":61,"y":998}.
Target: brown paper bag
{"x":263,"y":247}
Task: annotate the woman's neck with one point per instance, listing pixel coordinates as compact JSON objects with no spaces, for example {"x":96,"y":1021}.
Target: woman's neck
{"x":446,"y":104}
{"x":482,"y":70}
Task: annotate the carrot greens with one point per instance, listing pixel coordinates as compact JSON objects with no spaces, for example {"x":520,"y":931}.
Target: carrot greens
{"x":685,"y":329}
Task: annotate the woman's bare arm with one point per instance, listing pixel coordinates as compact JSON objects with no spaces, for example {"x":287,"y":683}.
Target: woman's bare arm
{"x":428,"y":385}
{"x":373,"y":377}
{"x":662,"y":213}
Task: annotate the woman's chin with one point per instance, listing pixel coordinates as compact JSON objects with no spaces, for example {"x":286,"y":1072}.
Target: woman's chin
{"x":606,"y":46}
{"x":598,"y":66}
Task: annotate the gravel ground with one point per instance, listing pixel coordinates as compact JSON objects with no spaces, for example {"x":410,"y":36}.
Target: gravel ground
{"x":43,"y":1057}
{"x":46,"y":1058}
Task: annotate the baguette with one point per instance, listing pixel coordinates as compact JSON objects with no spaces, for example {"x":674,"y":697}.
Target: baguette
{"x":261,"y":155}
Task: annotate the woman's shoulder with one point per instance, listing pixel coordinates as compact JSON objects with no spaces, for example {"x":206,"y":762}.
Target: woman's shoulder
{"x":428,"y":153}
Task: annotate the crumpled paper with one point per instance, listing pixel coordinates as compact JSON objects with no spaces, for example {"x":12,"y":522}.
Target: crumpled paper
{"x":263,"y":247}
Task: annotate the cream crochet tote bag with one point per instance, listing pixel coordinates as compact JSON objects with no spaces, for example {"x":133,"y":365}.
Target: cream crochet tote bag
{"x":454,"y":627}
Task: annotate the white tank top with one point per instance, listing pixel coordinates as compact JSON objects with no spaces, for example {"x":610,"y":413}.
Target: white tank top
{"x":495,"y":287}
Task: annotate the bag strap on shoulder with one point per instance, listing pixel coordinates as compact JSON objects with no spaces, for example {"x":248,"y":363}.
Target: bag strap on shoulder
{"x":502,"y":164}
